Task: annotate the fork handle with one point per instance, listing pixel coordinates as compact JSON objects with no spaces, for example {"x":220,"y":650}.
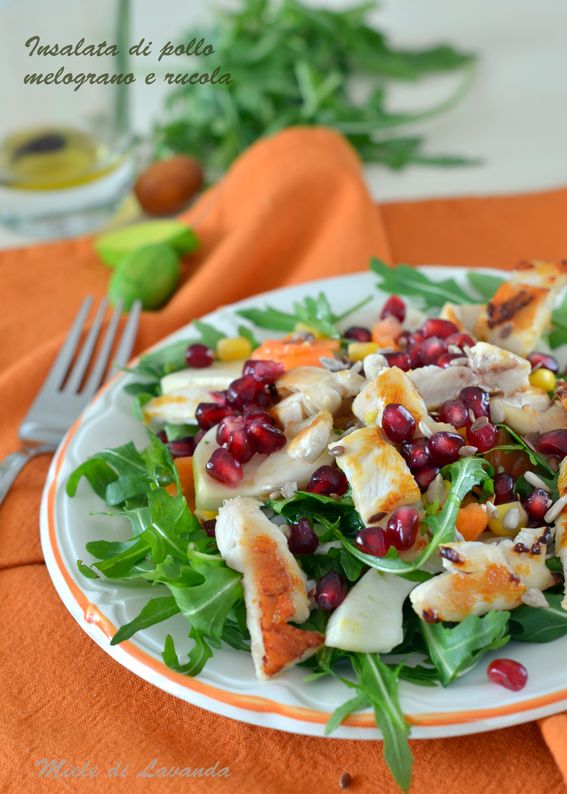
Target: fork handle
{"x":12,"y":465}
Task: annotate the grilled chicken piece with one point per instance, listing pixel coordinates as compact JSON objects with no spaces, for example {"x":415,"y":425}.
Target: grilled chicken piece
{"x":373,"y":364}
{"x":389,"y":386}
{"x":481,"y":577}
{"x":437,"y":384}
{"x":561,"y":526}
{"x":532,"y":411}
{"x":378,"y":475}
{"x":311,"y":437}
{"x":275,"y":588}
{"x":320,"y":389}
{"x":369,"y":620}
{"x":498,"y":370}
{"x":552,"y":275}
{"x":290,"y":409}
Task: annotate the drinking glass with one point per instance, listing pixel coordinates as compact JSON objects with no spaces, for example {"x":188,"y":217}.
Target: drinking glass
{"x":65,"y":142}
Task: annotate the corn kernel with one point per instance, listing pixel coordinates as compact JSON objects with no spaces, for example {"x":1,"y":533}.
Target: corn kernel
{"x":236,"y":348}
{"x":544,"y":379}
{"x":303,"y":328}
{"x":504,"y":522}
{"x":357,"y":351}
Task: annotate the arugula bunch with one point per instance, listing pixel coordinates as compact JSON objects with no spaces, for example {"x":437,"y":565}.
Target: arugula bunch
{"x":292,"y":64}
{"x":167,"y":550}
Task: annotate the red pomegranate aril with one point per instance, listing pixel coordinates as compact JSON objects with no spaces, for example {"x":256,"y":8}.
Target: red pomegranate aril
{"x":372,"y":540}
{"x":416,"y":453}
{"x":553,"y":443}
{"x":233,"y":434}
{"x":482,"y":437}
{"x":162,"y":435}
{"x":302,"y":538}
{"x":219,"y":397}
{"x":425,"y":476}
{"x":397,"y":423}
{"x":243,"y":391}
{"x":400,"y":360}
{"x":402,"y":527}
{"x":394,"y":307}
{"x":455,"y":413}
{"x":263,"y":371}
{"x":254,"y":415}
{"x":182,"y":447}
{"x":328,"y":480}
{"x":416,"y":355}
{"x":210,"y":527}
{"x":224,"y":468}
{"x":210,"y":414}
{"x":477,"y":400}
{"x":435,"y":326}
{"x":331,"y":591}
{"x":432,"y":349}
{"x":226,"y":426}
{"x":508,"y":673}
{"x":503,"y":488}
{"x":445,"y":447}
{"x":445,"y":360}
{"x":461,"y":340}
{"x":544,"y":360}
{"x":199,"y":356}
{"x":358,"y":333}
{"x":537,"y":504}
{"x":265,"y":438}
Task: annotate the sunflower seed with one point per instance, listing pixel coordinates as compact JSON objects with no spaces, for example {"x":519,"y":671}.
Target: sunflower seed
{"x":555,"y":510}
{"x":459,"y":362}
{"x":497,"y":413}
{"x":336,"y":451}
{"x":533,"y":597}
{"x":479,"y":423}
{"x":436,"y":490}
{"x":466,"y":451}
{"x":425,"y":429}
{"x":511,"y":519}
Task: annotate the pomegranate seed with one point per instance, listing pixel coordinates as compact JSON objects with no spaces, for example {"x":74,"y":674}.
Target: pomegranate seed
{"x":225,"y":426}
{"x":224,"y":468}
{"x":402,"y":527}
{"x":302,"y":538}
{"x":482,"y":436}
{"x":445,"y":447}
{"x":210,"y":527}
{"x":416,"y":453}
{"x":476,"y":399}
{"x":219,"y":397}
{"x":537,"y":504}
{"x":403,"y":339}
{"x":199,"y":356}
{"x":232,"y":433}
{"x":210,"y":414}
{"x":503,"y":488}
{"x":553,"y":443}
{"x":253,"y":415}
{"x":425,"y":476}
{"x":416,"y":354}
{"x":243,"y":391}
{"x":162,"y":435}
{"x":416,"y":338}
{"x":461,"y":340}
{"x":401,"y":360}
{"x":328,"y":480}
{"x":263,"y":371}
{"x":444,"y":361}
{"x":455,"y":413}
{"x":508,"y":673}
{"x":265,"y":438}
{"x":199,"y":435}
{"x":432,"y":350}
{"x":182,"y":447}
{"x":394,"y":307}
{"x":397,"y":423}
{"x":331,"y":591}
{"x":358,"y":333}
{"x":435,"y":326}
{"x":544,"y":360}
{"x":372,"y":540}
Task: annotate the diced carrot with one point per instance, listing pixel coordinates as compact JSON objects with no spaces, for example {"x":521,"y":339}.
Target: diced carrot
{"x":472,"y":520}
{"x":386,"y":332}
{"x":293,"y":354}
{"x":184,"y":468}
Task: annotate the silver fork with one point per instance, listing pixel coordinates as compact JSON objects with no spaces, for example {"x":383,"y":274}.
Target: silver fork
{"x":63,"y":395}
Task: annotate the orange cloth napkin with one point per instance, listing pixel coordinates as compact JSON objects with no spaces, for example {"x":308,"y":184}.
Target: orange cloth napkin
{"x":293,"y":208}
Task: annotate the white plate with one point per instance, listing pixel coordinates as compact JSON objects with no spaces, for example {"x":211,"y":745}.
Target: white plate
{"x":228,"y":685}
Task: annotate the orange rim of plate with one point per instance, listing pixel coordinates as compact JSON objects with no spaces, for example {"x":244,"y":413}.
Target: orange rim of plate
{"x":255,"y":703}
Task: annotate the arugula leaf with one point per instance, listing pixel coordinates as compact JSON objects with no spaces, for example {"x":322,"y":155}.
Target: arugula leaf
{"x":539,"y":624}
{"x":454,"y":650}
{"x":207,"y":605}
{"x":171,"y":358}
{"x":484,"y":284}
{"x":379,"y":684}
{"x":319,"y":509}
{"x":246,"y":332}
{"x":155,"y":611}
{"x":558,"y":335}
{"x":339,"y":715}
{"x":270,"y":318}
{"x":198,"y":656}
{"x":86,"y":570}
{"x":464,"y":475}
{"x":547,"y":474}
{"x":420,"y":675}
{"x":408,"y":281}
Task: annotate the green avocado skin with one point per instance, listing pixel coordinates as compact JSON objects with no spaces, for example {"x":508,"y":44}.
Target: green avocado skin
{"x":149,"y":274}
{"x":113,"y":247}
